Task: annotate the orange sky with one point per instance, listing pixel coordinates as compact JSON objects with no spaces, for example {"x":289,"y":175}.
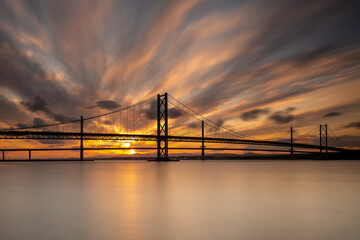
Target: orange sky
{"x":256,"y":67}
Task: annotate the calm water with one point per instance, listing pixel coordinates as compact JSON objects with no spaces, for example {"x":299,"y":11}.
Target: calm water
{"x":180,"y":200}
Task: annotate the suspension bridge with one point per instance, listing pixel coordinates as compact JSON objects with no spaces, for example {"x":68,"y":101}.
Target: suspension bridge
{"x":153,"y":124}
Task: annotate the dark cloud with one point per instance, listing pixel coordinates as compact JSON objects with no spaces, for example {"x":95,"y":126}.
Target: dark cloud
{"x":353,"y":125}
{"x":220,"y":122}
{"x":254,"y":114}
{"x":332,"y":114}
{"x":36,"y":123}
{"x":174,"y":113}
{"x":39,"y":122}
{"x":255,"y":77}
{"x":348,"y":140}
{"x":151,"y":112}
{"x":61,"y":117}
{"x":214,"y":95}
{"x":286,"y":23}
{"x":282,"y":117}
{"x":290,"y":109}
{"x":315,"y":115}
{"x":22,"y":125}
{"x":319,"y":78}
{"x":39,"y":104}
{"x":108,"y":122}
{"x":282,"y":41}
{"x":129,"y":50}
{"x":194,"y":125}
{"x":25,"y":77}
{"x":13,"y":112}
{"x":108,"y":104}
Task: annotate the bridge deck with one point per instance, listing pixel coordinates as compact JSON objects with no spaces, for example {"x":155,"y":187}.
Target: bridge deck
{"x":140,"y":137}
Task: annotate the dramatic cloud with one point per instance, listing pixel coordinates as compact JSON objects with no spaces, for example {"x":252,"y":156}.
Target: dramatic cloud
{"x":194,"y":125}
{"x":282,"y":116}
{"x":26,"y":78}
{"x":108,"y":104}
{"x":151,"y":112}
{"x":353,"y":125}
{"x":108,"y":122}
{"x":21,"y":125}
{"x":332,"y":114}
{"x":38,"y":104}
{"x":233,"y":60}
{"x":11,"y":110}
{"x":350,"y":141}
{"x":174,"y":113}
{"x":220,"y":122}
{"x":36,"y":123}
{"x":39,"y":122}
{"x":254,"y":114}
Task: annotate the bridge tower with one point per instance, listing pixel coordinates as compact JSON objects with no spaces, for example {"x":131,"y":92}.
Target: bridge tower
{"x":202,"y":141}
{"x":81,"y":138}
{"x":291,"y":143}
{"x":162,"y":128}
{"x":323,"y":139}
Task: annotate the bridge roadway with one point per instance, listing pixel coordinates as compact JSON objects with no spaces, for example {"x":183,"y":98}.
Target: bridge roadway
{"x":141,"y":137}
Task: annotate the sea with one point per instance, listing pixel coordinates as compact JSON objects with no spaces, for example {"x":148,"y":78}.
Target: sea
{"x":217,"y":199}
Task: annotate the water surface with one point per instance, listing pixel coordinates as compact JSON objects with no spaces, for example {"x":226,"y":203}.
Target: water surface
{"x":180,"y":200}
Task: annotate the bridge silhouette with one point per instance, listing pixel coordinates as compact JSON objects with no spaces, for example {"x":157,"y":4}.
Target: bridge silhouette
{"x":160,"y":119}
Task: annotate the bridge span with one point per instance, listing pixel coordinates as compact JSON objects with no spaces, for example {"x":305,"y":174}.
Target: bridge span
{"x":154,"y":138}
{"x":184,"y":124}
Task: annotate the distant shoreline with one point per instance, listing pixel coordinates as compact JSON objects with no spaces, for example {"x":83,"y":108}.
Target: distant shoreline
{"x":316,"y":156}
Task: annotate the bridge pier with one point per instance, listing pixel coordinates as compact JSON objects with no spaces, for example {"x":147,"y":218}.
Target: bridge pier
{"x":3,"y":155}
{"x":29,"y":154}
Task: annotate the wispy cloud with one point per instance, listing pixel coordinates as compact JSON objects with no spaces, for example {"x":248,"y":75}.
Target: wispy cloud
{"x":353,"y":125}
{"x":245,"y":61}
{"x":254,"y":114}
{"x":284,"y":116}
{"x":332,"y":114}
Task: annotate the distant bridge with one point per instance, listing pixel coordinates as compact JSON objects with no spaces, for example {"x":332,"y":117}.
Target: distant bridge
{"x":161,"y":116}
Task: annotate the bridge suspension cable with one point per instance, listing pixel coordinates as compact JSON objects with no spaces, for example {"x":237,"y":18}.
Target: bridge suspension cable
{"x":73,"y":125}
{"x":307,"y":134}
{"x":336,"y":140}
{"x":207,"y":121}
{"x":134,"y":119}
